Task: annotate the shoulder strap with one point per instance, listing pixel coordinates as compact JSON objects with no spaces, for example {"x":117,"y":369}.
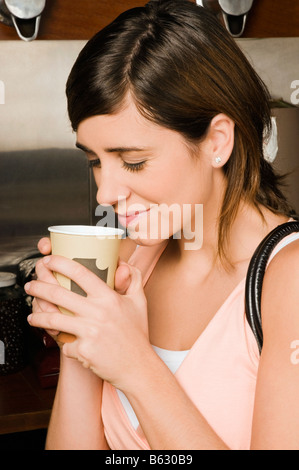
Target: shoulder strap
{"x":255,"y":276}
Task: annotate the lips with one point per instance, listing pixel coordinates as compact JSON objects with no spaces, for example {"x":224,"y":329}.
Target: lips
{"x":126,"y":219}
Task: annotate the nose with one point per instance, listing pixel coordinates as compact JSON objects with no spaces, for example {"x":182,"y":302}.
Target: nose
{"x":111,"y":189}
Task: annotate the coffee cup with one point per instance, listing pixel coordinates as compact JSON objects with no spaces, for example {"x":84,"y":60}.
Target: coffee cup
{"x":96,"y":248}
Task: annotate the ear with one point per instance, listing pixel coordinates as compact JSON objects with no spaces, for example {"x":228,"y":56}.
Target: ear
{"x":221,"y":138}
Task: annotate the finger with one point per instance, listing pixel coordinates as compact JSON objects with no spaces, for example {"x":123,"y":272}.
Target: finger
{"x":44,"y":246}
{"x":70,"y":351}
{"x":122,"y":279}
{"x":136,"y":285}
{"x":79,"y":351}
{"x":39,"y":305}
{"x":57,"y":295}
{"x":83,"y":277}
{"x":44,"y":273}
{"x":128,"y":278}
{"x":56,"y":322}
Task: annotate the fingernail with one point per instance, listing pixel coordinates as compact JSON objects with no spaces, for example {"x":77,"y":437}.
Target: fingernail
{"x":46,"y":259}
{"x":29,"y":318}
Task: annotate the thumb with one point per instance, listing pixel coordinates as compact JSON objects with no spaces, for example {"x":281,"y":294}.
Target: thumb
{"x":122,"y":278}
{"x":44,"y":246}
{"x":135,"y":285}
{"x":128,"y":279}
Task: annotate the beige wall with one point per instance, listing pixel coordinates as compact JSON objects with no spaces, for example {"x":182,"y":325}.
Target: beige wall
{"x":277,"y":62}
{"x":33,"y":75}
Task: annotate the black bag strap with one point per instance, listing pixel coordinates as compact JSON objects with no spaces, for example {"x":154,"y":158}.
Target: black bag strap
{"x":255,"y":276}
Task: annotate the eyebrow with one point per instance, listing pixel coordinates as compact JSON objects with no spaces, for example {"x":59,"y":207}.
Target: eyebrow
{"x":125,"y":149}
{"x":85,"y":149}
{"x":112,"y":149}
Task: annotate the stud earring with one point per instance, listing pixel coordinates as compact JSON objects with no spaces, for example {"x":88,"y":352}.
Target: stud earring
{"x":218,"y":160}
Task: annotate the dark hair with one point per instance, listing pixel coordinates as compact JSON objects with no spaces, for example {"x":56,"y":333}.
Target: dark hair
{"x":182,"y":68}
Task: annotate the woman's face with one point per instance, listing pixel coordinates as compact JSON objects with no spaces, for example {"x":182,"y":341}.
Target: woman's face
{"x":146,"y":172}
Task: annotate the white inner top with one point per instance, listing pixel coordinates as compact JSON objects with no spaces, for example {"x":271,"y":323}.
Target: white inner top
{"x":173,"y":360}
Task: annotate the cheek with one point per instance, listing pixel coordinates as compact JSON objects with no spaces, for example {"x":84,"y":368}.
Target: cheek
{"x":162,"y":222}
{"x":169,"y":190}
{"x":165,"y":183}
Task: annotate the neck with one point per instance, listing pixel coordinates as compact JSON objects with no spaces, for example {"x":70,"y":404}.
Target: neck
{"x":199,"y":237}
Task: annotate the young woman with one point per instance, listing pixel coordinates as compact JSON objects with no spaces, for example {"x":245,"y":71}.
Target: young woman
{"x":171,"y":114}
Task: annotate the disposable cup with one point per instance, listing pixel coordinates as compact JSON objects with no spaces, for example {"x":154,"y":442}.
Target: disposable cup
{"x":96,"y":248}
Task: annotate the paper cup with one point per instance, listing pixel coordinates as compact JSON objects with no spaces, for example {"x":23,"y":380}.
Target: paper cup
{"x":96,"y":248}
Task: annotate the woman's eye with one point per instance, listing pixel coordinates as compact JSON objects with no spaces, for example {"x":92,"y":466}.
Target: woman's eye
{"x":95,"y":163}
{"x":134,"y":166}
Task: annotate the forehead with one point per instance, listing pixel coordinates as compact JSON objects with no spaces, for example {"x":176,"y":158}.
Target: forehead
{"x":125,"y":128}
{"x":126,"y":120}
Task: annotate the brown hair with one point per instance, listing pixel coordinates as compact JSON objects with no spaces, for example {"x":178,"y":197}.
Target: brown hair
{"x":182,"y":68}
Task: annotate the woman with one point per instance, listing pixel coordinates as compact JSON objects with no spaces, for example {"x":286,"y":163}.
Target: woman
{"x":170,"y":114}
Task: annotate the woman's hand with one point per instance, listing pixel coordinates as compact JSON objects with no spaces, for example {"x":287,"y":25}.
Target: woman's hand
{"x":45,"y":275}
{"x":110,"y":325}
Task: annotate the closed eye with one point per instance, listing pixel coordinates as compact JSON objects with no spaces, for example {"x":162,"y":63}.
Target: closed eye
{"x":134,"y":166}
{"x":94,"y":163}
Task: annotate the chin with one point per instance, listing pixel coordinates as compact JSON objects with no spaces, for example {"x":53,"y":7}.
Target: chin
{"x":146,"y":241}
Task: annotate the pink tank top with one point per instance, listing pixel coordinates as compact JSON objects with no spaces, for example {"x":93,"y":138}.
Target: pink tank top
{"x":218,"y":373}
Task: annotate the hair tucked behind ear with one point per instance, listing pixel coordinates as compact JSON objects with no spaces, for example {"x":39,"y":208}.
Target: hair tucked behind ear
{"x":182,"y":68}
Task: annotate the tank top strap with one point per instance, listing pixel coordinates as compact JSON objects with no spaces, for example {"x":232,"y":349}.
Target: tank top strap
{"x":145,"y":258}
{"x":284,"y":242}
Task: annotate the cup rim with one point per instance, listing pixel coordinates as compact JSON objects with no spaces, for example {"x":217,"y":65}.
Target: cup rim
{"x":86,"y":230}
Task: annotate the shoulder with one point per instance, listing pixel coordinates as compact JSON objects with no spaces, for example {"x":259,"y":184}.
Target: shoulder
{"x":284,"y":265}
{"x":276,"y":415}
{"x":280,"y":294}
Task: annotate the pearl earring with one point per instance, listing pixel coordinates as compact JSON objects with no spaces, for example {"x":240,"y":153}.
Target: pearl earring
{"x":218,"y":160}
